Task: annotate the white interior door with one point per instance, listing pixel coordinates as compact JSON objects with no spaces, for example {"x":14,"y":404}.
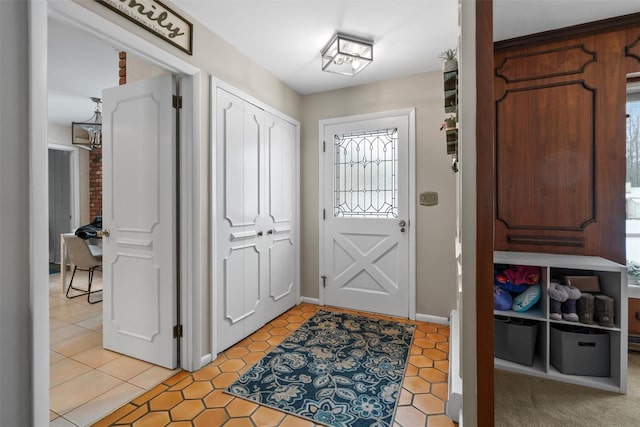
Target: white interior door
{"x":255,"y":242}
{"x":366,"y":211}
{"x":139,"y":210}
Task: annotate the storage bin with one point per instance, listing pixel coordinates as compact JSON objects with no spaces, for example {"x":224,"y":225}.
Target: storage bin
{"x":515,"y":339}
{"x":576,"y":350}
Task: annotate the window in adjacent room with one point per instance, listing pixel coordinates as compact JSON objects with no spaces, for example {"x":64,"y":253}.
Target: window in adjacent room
{"x":632,"y":190}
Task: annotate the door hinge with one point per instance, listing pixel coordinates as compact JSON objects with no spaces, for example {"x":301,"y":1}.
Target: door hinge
{"x":324,"y":146}
{"x":177,"y":331}
{"x":324,"y":281}
{"x":177,"y":102}
{"x":324,"y":214}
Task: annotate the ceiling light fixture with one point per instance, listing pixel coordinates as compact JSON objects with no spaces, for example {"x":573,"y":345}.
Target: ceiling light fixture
{"x":89,"y":133}
{"x":346,"y":55}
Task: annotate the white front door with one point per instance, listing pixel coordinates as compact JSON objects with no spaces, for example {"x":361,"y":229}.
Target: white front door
{"x":255,"y":242}
{"x":365,"y":166}
{"x":139,"y":210}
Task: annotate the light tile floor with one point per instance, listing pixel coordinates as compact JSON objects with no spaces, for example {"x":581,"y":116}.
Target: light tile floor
{"x":197,"y":399}
{"x":86,"y":381}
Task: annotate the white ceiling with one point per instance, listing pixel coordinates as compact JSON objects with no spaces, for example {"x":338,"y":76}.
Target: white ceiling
{"x":80,"y":66}
{"x":286,"y":36}
{"x":515,"y":18}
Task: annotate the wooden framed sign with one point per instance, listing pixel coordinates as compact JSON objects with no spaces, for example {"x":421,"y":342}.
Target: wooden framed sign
{"x":156,"y":18}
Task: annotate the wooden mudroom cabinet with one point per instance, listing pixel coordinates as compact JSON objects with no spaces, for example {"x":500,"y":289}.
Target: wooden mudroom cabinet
{"x":560,"y":142}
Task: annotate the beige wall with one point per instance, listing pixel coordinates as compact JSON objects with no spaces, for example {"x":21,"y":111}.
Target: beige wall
{"x":436,"y":281}
{"x":214,"y":56}
{"x":140,"y":69}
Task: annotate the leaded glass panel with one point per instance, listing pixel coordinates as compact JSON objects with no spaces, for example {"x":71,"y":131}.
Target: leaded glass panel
{"x":365,"y":169}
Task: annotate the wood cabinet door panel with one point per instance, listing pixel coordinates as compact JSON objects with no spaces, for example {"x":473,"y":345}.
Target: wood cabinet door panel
{"x":543,"y":170}
{"x":560,"y":147}
{"x":634,"y":313}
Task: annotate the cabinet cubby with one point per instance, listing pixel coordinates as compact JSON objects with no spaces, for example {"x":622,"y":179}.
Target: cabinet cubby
{"x":613,"y":282}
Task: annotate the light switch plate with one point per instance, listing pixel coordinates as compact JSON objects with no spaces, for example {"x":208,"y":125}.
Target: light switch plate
{"x":429,"y":198}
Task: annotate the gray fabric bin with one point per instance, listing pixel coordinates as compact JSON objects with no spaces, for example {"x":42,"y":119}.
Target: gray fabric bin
{"x":577,"y":350}
{"x":515,"y":339}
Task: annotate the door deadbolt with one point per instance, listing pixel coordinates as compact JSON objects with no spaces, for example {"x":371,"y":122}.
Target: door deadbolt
{"x":402,"y":223}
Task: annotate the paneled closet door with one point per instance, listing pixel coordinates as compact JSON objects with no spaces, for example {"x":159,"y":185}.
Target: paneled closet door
{"x":241,"y":244}
{"x":279,"y":222}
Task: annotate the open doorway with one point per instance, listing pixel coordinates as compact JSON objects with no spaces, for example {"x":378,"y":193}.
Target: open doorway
{"x":61,"y":197}
{"x":86,"y":381}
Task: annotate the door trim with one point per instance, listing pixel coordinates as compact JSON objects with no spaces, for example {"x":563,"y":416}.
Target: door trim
{"x":75,"y":180}
{"x":193,"y":263}
{"x":216,"y":83}
{"x":410,"y":114}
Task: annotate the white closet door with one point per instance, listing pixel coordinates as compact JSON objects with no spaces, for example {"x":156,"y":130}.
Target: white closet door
{"x":241,"y":251}
{"x":255,"y":217}
{"x":280,"y":167}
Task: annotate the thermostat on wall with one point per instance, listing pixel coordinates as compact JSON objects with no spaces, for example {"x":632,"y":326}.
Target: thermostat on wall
{"x":429,"y":198}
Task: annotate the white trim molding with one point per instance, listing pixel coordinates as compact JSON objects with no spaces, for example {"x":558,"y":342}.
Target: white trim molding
{"x":454,"y":403}
{"x":432,"y":319}
{"x":75,"y":181}
{"x":307,"y":300}
{"x":206,"y":359}
{"x":192,"y":177}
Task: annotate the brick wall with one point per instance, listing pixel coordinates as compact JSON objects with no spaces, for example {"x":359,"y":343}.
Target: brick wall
{"x":95,"y":183}
{"x":95,"y":157}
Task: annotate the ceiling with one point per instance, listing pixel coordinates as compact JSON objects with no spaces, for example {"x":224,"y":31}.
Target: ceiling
{"x":79,"y":67}
{"x":515,"y":18}
{"x":286,"y":37}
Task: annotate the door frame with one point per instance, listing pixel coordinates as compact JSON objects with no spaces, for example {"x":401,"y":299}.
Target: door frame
{"x":216,"y":83}
{"x":410,"y":114}
{"x":74,"y":174}
{"x":192,"y":264}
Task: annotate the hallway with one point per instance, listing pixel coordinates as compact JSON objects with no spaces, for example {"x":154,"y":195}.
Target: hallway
{"x":197,"y":398}
{"x":86,"y":381}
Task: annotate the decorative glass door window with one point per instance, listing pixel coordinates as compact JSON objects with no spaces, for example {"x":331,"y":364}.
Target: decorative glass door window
{"x":365,"y":167}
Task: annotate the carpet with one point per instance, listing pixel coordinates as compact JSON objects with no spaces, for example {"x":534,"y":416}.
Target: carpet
{"x":337,"y":369}
{"x":522,"y":400}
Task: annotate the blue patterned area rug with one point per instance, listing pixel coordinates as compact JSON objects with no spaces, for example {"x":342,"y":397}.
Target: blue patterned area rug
{"x":337,"y":369}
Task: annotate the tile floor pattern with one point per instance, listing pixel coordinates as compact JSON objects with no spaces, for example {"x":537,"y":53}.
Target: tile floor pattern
{"x":86,"y":381}
{"x":197,"y":399}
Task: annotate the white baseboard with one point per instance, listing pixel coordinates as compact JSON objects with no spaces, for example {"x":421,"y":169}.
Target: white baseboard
{"x":315,"y":301}
{"x":432,"y":319}
{"x":454,"y":403}
{"x":205,"y":360}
